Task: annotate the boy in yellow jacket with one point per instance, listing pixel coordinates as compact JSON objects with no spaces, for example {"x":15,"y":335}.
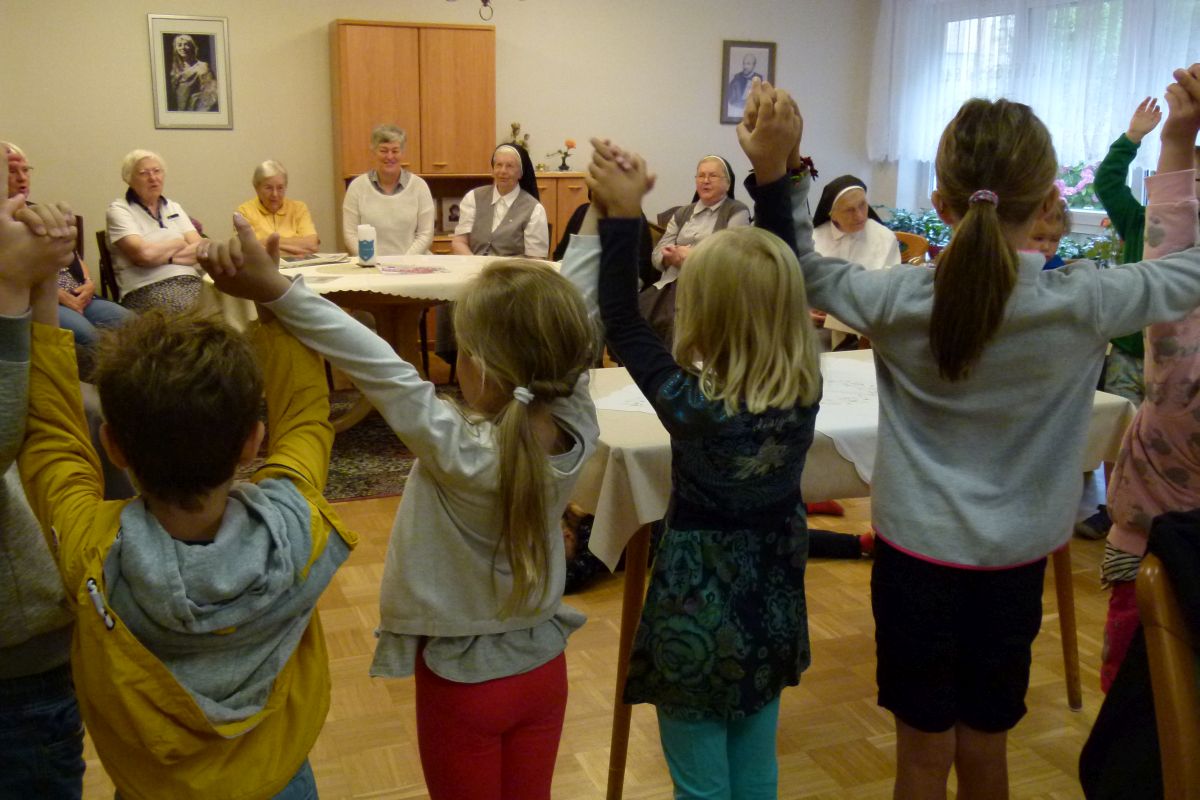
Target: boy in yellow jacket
{"x":198,"y":656}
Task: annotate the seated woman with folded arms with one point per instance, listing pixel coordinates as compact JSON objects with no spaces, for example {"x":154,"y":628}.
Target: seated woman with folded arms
{"x":152,"y":240}
{"x":390,"y":198}
{"x":272,"y":211}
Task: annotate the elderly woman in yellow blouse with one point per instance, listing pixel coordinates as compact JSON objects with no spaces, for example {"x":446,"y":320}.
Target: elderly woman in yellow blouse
{"x":273,"y":212}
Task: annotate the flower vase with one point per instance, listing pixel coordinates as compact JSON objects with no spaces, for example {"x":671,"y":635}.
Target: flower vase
{"x":563,"y":166}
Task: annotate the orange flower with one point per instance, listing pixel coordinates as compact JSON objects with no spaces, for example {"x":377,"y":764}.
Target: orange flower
{"x":570,"y":143}
{"x":1106,"y":223}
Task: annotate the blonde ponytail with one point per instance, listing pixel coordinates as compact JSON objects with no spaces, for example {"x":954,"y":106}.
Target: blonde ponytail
{"x":529,"y":329}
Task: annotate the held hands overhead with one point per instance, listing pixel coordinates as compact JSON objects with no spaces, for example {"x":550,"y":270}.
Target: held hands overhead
{"x":1183,"y":105}
{"x":242,"y":267}
{"x":618,"y":180}
{"x":35,"y":243}
{"x":770,"y":132}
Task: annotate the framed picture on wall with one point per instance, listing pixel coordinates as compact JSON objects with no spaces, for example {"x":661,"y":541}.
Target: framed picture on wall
{"x":741,"y":63}
{"x":189,"y":71}
{"x":450,"y":213}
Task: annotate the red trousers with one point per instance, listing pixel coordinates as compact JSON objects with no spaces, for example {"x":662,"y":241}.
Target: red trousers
{"x":495,"y":740}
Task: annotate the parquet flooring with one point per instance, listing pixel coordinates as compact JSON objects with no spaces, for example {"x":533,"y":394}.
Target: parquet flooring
{"x":834,"y":742}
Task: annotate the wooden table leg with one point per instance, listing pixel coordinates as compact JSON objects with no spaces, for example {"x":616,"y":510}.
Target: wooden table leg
{"x":636,"y":553}
{"x":1065,"y":592}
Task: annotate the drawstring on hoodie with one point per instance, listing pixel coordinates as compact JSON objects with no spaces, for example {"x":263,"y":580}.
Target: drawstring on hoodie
{"x":98,"y":601}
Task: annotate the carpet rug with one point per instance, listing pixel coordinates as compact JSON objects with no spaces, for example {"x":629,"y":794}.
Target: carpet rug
{"x":368,"y":460}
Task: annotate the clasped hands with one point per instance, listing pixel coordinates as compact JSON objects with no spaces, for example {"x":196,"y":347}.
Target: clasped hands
{"x":35,"y":243}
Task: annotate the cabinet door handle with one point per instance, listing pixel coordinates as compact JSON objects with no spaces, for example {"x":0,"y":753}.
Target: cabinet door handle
{"x":574,"y":188}
{"x":441,"y":163}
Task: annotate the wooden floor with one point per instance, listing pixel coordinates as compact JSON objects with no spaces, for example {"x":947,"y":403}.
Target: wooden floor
{"x":834,"y":742}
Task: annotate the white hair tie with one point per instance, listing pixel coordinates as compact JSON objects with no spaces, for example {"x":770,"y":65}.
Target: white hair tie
{"x":522,"y":395}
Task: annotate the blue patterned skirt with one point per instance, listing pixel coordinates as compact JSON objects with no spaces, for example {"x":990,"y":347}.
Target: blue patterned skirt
{"x":725,"y":626}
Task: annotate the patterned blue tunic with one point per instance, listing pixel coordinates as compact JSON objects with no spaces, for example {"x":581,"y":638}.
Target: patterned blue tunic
{"x":724,"y":627}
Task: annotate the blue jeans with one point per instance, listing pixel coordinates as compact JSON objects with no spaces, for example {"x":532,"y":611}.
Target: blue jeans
{"x":99,"y":313}
{"x":41,"y":737}
{"x":719,"y":760}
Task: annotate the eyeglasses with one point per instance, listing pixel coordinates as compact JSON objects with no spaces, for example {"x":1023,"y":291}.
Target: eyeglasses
{"x":153,"y":172}
{"x":706,"y":176}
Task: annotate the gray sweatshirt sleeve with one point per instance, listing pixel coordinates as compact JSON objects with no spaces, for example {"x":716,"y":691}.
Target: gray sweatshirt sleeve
{"x":14,"y":380}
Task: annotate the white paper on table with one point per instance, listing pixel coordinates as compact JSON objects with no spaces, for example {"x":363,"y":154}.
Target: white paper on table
{"x":627,"y":398}
{"x":849,"y":413}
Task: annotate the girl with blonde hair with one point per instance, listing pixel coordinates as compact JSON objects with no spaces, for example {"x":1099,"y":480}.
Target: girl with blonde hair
{"x":724,"y":628}
{"x":471,"y":600}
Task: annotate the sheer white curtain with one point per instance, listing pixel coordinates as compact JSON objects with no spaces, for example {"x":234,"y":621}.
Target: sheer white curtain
{"x":1083,"y":65}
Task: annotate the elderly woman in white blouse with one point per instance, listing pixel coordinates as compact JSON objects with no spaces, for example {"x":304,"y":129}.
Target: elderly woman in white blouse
{"x":390,"y":198}
{"x":845,"y":226}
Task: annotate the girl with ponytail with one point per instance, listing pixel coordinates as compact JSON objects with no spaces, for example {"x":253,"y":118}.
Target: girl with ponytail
{"x":471,"y":600}
{"x":986,"y":371}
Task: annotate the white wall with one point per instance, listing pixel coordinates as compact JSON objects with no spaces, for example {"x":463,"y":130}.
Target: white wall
{"x":76,"y":93}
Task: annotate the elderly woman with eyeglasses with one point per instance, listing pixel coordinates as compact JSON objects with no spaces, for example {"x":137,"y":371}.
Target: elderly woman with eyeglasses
{"x":152,"y":240}
{"x":712,"y":209}
{"x":389,"y":197}
{"x":79,"y":310}
{"x":272,"y":211}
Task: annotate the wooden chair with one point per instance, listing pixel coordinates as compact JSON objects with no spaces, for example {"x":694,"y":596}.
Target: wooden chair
{"x":108,"y":275}
{"x":1171,"y":647}
{"x":912,"y":248}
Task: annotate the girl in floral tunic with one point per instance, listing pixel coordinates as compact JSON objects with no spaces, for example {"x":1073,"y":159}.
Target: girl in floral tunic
{"x":724,"y":627}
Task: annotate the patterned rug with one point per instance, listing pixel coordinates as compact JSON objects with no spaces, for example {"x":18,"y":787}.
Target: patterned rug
{"x":368,"y":460}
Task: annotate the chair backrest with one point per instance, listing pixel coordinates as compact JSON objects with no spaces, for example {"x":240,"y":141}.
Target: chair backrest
{"x":79,"y":235}
{"x":664,"y":217}
{"x":1171,"y":647}
{"x":912,"y":247}
{"x":108,"y":276}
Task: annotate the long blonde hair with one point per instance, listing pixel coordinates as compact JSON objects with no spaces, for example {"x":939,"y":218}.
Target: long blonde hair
{"x":526,"y":326}
{"x":742,"y":313}
{"x":1001,"y":147}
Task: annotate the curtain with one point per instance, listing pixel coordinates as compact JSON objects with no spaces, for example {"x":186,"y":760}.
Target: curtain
{"x":1082,"y":65}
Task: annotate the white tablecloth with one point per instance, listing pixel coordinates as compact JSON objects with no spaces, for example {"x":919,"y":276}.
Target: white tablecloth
{"x":628,"y":482}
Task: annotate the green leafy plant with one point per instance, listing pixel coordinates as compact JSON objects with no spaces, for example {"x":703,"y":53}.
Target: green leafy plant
{"x":1104,"y":249}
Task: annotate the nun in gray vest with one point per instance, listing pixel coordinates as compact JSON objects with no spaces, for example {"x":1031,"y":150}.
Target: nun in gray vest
{"x":504,"y":219}
{"x":712,"y":209}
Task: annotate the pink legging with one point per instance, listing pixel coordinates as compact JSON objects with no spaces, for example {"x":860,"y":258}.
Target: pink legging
{"x":491,"y":740}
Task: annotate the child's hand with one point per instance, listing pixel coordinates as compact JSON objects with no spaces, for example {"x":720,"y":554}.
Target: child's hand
{"x":243,"y":267}
{"x":618,"y":180}
{"x":771,"y":137}
{"x":1183,"y":104}
{"x":35,"y":243}
{"x":1145,"y":119}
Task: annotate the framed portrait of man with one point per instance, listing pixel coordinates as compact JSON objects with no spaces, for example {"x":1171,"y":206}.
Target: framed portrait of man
{"x":189,"y":60}
{"x":741,"y":63}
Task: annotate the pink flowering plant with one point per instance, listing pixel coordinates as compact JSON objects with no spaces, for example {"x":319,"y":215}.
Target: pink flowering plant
{"x":1076,"y":185}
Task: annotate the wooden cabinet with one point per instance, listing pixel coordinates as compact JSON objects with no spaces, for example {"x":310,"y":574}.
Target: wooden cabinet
{"x":561,"y":193}
{"x":458,"y":100}
{"x":438,"y":82}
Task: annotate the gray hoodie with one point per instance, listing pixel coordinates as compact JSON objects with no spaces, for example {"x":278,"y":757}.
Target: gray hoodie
{"x":224,"y":617}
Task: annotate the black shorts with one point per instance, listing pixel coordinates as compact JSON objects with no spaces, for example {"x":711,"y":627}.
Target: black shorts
{"x":953,"y":645}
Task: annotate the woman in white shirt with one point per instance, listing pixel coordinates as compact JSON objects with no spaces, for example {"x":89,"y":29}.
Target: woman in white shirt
{"x":845,"y":226}
{"x":392,"y":199}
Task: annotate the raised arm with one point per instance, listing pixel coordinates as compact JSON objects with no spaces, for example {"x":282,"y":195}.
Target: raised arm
{"x":618,"y":187}
{"x":243,"y":268}
{"x":301,"y":436}
{"x":1126,"y":213}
